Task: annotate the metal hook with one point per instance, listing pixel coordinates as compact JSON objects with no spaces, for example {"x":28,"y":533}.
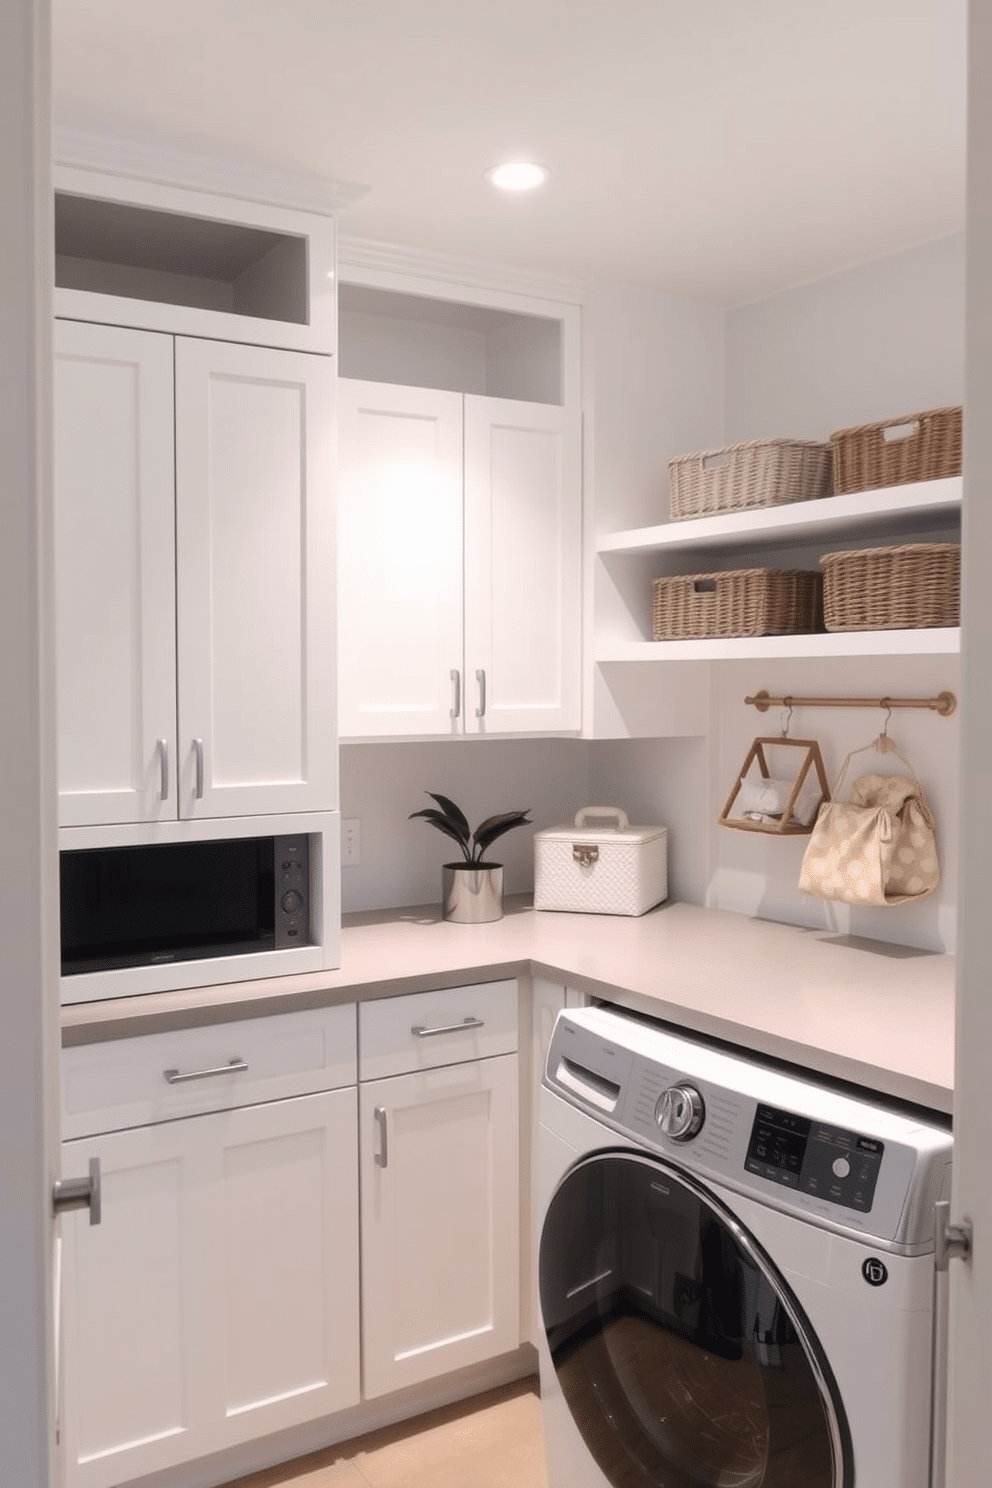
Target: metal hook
{"x":883,"y":737}
{"x":786,"y":718}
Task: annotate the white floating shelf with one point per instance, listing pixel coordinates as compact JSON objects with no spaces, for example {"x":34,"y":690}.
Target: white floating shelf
{"x":936,"y":642}
{"x":933,"y":503}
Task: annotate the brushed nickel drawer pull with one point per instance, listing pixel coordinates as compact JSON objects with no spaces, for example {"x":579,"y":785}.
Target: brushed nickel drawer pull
{"x":198,"y":761}
{"x":382,"y":1154}
{"x":233,"y":1067}
{"x":163,"y":760}
{"x":419,"y":1031}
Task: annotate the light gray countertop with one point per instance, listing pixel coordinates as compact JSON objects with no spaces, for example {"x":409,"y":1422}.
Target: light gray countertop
{"x":878,"y":1015}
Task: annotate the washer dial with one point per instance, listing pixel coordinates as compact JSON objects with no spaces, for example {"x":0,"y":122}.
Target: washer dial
{"x":680,"y":1112}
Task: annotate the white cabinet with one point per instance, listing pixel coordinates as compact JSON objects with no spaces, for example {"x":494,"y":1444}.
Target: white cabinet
{"x":440,"y":1184}
{"x":114,"y":573}
{"x":459,"y":563}
{"x":217,"y":1301}
{"x":195,"y":606}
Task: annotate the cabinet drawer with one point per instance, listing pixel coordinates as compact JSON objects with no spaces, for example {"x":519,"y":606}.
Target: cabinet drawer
{"x":428,"y":1029}
{"x":138,"y":1081}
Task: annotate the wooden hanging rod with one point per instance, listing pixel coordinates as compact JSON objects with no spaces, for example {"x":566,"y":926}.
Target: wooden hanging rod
{"x":944,"y":703}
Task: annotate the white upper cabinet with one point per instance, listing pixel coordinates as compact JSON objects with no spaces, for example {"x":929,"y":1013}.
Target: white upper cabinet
{"x":459,"y":563}
{"x":523,"y":563}
{"x":255,"y":565}
{"x":400,"y":558}
{"x":225,"y":563}
{"x":115,"y":574}
{"x":460,"y":512}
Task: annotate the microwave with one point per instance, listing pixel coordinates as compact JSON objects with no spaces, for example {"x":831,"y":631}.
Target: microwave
{"x":187,"y":904}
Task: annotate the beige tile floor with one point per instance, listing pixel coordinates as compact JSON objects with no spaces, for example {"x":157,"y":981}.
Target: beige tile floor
{"x":491,"y":1441}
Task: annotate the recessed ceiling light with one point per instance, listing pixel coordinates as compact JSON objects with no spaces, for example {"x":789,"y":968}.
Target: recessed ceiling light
{"x":517,"y":176}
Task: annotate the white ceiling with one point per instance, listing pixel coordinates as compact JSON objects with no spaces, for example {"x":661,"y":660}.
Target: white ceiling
{"x":718,"y":148}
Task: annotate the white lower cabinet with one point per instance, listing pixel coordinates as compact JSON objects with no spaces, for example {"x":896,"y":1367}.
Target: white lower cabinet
{"x":440,"y":1186}
{"x":217,"y":1300}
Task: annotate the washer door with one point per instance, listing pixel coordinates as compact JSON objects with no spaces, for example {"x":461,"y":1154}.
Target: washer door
{"x":681,"y":1353}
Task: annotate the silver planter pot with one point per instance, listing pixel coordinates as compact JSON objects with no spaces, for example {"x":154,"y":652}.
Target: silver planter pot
{"x":472,"y":894}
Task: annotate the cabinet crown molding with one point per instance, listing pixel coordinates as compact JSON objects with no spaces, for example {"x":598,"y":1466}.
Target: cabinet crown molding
{"x":363,"y":261}
{"x":217,"y":174}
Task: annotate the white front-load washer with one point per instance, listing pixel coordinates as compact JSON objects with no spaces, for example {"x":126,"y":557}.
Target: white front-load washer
{"x":736,"y":1269}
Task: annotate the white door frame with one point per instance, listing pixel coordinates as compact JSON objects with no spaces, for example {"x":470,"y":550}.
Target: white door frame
{"x":28,"y":840}
{"x":969,"y":1396}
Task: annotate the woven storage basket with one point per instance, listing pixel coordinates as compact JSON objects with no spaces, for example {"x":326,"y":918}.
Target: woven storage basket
{"x":912,"y":587}
{"x":917,"y":447}
{"x":742,"y":477}
{"x":743,"y":602}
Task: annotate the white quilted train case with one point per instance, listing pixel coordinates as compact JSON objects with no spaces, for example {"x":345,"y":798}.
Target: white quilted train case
{"x":604,"y":869}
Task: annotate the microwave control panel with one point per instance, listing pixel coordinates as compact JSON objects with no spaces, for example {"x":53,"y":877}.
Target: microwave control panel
{"x":291,"y":860}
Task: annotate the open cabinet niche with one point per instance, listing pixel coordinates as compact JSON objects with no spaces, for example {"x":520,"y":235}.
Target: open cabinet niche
{"x":418,"y":341}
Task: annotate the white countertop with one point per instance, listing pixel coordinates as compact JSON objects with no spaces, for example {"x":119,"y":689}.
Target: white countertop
{"x":878,"y":1015}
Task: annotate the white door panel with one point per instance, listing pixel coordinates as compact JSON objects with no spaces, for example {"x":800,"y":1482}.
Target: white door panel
{"x":400,"y":558}
{"x":136,"y":1384}
{"x":440,"y":1221}
{"x":286,"y":1231}
{"x":522,"y":567}
{"x":114,"y":574}
{"x":255,"y":545}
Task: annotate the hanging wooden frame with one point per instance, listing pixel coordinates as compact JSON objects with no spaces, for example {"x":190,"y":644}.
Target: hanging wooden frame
{"x":784,"y":825}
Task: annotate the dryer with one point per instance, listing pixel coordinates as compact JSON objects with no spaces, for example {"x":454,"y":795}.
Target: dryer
{"x":736,"y":1271}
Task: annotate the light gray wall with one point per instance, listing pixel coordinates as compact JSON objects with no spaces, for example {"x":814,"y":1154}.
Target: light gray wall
{"x":401,"y":859}
{"x":880,"y":340}
{"x":654,"y":367}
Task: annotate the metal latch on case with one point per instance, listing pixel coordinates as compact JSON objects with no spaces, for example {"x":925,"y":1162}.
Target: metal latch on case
{"x":585,"y":855}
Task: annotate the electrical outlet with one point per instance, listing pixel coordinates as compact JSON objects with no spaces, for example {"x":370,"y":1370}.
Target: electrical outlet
{"x":351,"y":841}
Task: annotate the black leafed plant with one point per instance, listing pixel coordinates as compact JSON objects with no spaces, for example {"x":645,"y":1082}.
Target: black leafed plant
{"x":452,"y":821}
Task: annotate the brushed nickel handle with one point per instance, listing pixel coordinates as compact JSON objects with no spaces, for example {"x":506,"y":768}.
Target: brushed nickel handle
{"x":163,"y":761}
{"x":80,"y":1193}
{"x":480,"y":711}
{"x":198,"y":757}
{"x":179,"y":1077}
{"x":382,"y":1152}
{"x":951,"y":1241}
{"x":419,"y":1031}
{"x":456,"y":707}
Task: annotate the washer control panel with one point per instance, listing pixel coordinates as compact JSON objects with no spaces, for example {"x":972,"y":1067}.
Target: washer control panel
{"x":680,"y":1112}
{"x":814,"y":1158}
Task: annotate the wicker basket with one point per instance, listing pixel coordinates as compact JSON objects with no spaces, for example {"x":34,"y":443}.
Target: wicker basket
{"x":912,"y":587}
{"x":743,"y":477}
{"x":917,"y":447}
{"x":742,"y":602}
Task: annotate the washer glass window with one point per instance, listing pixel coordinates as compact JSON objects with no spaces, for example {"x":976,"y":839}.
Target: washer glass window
{"x":685,"y":1360}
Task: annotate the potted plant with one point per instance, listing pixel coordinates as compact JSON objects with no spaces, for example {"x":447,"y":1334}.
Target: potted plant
{"x":472,"y":888}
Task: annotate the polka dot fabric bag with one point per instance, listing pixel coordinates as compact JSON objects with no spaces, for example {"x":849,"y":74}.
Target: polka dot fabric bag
{"x":878,"y":848}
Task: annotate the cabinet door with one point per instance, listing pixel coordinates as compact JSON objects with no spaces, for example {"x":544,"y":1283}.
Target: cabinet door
{"x":137,"y":1384}
{"x":400,"y":558}
{"x":255,"y":580}
{"x":114,"y":575}
{"x":284,"y":1254}
{"x":440,"y":1221}
{"x":523,"y":558}
{"x":218,"y":1298}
